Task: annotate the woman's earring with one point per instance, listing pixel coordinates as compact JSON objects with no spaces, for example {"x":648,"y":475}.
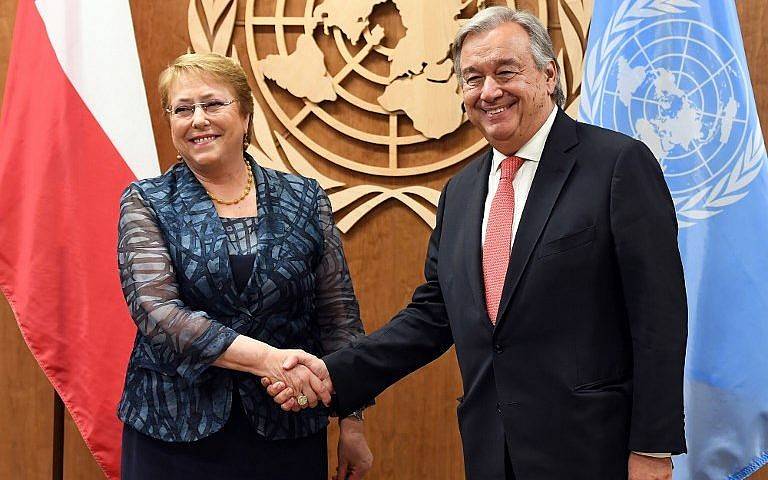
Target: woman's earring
{"x":179,"y":157}
{"x":246,"y":143}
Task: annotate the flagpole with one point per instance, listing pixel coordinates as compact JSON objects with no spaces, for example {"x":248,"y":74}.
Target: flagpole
{"x":57,"y":467}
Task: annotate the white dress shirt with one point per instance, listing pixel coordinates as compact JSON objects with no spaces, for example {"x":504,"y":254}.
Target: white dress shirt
{"x":531,"y":153}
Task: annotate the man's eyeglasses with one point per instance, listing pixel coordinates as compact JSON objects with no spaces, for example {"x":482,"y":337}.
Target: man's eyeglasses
{"x":187,"y":110}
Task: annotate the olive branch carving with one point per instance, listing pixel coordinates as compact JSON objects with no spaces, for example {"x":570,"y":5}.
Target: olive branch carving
{"x":215,"y":34}
{"x":574,"y":17}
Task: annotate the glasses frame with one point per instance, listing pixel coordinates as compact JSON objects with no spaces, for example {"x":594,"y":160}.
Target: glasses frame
{"x":202,"y":105}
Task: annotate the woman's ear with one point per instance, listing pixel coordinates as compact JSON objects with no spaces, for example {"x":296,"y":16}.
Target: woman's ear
{"x":247,"y":134}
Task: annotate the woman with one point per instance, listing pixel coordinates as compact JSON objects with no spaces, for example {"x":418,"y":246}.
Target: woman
{"x":222,"y":263}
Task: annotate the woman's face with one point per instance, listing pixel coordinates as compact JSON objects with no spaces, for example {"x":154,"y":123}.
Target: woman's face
{"x":206,"y":139}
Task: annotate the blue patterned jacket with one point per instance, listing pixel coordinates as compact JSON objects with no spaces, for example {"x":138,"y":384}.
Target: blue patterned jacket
{"x":177,"y":281}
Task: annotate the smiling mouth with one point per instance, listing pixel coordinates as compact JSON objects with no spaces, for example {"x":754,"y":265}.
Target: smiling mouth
{"x":495,"y":111}
{"x":204,"y":140}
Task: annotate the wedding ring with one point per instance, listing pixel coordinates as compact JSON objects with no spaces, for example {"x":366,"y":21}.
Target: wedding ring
{"x":302,"y":399}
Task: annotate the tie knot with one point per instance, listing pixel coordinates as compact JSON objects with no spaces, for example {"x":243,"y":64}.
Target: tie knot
{"x":510,"y":166}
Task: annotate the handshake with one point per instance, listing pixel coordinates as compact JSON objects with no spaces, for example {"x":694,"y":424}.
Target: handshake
{"x":297,"y":379}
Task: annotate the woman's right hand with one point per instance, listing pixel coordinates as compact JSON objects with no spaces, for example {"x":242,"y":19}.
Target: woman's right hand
{"x":298,"y":379}
{"x":310,"y":379}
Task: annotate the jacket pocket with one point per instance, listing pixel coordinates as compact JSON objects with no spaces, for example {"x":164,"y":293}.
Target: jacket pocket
{"x":614,"y":382}
{"x":567,"y":242}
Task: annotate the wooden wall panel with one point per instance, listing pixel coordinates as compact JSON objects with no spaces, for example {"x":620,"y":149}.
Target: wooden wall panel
{"x":26,"y":407}
{"x":412,"y":430}
{"x":753,"y":16}
{"x":78,"y":461}
{"x":7,"y":16}
{"x":161,"y":36}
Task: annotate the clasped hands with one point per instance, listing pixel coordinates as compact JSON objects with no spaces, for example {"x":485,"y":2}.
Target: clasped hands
{"x":294,"y":373}
{"x":291,"y":374}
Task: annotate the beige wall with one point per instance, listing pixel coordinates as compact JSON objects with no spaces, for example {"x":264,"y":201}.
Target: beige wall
{"x":413,"y":439}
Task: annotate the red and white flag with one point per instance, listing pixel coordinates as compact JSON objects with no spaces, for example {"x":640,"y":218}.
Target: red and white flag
{"x":75,"y":131}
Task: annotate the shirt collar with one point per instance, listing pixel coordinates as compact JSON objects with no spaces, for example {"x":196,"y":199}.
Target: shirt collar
{"x":533,"y":148}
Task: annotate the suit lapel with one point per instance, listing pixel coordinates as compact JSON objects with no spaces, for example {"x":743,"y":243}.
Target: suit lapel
{"x":476,"y":189}
{"x":554,"y":168}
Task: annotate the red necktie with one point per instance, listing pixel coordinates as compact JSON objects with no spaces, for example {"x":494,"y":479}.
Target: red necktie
{"x":498,"y":236}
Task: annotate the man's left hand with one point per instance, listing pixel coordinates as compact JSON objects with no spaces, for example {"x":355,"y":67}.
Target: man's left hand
{"x":642,"y":467}
{"x":355,"y":458}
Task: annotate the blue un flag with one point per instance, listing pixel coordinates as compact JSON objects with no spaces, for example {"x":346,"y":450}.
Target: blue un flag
{"x":673,"y":74}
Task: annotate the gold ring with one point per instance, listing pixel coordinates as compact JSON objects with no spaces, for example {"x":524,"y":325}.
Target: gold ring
{"x":302,"y":399}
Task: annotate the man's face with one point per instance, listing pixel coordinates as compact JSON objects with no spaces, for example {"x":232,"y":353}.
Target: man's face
{"x":505,"y":95}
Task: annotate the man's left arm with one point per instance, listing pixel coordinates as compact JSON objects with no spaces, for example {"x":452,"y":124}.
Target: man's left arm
{"x":644,"y":228}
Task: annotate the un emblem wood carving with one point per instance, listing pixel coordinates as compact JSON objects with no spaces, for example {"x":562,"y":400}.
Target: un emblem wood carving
{"x":361,"y":95}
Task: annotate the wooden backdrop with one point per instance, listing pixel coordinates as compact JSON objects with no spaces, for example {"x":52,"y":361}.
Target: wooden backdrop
{"x":412,"y":430}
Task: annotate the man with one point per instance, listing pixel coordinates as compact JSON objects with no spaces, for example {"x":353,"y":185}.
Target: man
{"x":554,"y":269}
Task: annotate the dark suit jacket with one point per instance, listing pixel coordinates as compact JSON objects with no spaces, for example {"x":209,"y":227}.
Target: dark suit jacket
{"x":586,"y":361}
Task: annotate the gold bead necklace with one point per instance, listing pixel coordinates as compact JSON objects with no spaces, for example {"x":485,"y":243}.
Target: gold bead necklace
{"x":245,"y":192}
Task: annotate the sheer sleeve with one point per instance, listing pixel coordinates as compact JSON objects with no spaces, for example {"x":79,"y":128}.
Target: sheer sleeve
{"x":338,"y":313}
{"x":190,"y":340}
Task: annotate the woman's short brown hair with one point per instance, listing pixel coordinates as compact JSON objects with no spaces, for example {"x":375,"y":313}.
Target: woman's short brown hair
{"x":212,"y":65}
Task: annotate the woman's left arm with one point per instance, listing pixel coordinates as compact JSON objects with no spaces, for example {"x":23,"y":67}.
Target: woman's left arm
{"x":338,"y":315}
{"x":337,"y":310}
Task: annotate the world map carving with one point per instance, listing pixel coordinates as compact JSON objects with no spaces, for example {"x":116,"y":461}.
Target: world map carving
{"x":421,"y":83}
{"x":302,"y":73}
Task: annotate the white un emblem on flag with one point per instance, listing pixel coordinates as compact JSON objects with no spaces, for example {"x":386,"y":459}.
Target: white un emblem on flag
{"x":678,"y":85}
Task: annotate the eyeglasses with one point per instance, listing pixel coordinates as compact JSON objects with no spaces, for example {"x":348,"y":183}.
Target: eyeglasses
{"x":186,"y":111}
{"x":476,"y":81}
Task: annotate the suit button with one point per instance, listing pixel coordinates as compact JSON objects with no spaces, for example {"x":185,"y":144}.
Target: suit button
{"x":498,"y":408}
{"x":498,"y":348}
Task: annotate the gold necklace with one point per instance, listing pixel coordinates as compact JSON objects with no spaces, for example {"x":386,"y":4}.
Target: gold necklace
{"x":245,"y":192}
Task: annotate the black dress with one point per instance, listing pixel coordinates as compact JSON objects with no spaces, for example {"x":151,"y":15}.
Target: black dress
{"x":236,"y":451}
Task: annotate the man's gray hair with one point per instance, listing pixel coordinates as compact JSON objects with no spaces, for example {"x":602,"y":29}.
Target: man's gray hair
{"x":541,"y":43}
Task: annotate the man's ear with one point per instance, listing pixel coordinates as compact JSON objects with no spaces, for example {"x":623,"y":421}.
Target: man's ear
{"x":552,"y":73}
